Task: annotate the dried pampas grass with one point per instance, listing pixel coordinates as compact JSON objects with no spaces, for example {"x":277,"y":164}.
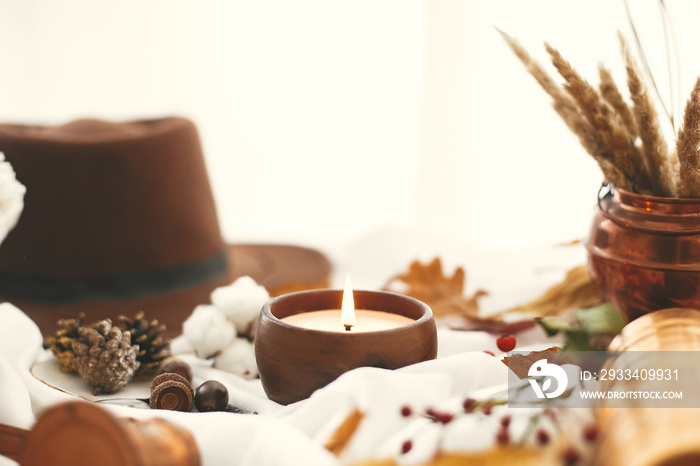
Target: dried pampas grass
{"x":657,"y":162}
{"x":609,"y":92}
{"x":687,"y":146}
{"x":625,"y":140}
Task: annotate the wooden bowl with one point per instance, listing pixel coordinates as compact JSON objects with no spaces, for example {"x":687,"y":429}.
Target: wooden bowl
{"x":294,"y":361}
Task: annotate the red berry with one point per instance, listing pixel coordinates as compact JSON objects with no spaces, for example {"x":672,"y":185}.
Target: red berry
{"x":505,"y":421}
{"x":438,"y":416}
{"x":590,"y":433}
{"x":406,"y":447}
{"x":503,"y":436}
{"x":506,"y":343}
{"x":406,"y":411}
{"x":486,"y":408}
{"x":571,"y":456}
{"x":444,"y":418}
{"x":542,"y":437}
{"x":469,"y":405}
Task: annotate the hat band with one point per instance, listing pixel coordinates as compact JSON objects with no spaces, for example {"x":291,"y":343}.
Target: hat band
{"x":72,"y":289}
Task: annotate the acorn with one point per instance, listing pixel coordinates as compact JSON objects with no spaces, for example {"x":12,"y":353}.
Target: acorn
{"x":177,"y":366}
{"x":171,"y":391}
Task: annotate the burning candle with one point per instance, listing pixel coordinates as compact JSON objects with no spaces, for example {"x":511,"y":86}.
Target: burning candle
{"x":307,"y":339}
{"x":347,"y":318}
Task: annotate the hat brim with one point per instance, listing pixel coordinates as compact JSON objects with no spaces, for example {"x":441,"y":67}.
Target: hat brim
{"x":279,"y":268}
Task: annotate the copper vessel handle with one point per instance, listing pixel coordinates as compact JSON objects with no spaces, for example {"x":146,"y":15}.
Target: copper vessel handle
{"x":605,"y":190}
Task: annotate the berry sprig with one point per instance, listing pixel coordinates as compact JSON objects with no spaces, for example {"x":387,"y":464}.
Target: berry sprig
{"x":443,"y":418}
{"x":533,"y":433}
{"x":471,"y":405}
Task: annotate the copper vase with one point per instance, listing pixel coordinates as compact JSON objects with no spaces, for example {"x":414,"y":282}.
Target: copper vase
{"x":644,"y":251}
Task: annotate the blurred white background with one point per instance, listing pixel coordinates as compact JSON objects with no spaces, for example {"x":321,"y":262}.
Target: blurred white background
{"x":327,"y":121}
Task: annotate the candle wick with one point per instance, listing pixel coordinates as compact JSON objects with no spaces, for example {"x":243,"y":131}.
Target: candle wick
{"x":348,"y":327}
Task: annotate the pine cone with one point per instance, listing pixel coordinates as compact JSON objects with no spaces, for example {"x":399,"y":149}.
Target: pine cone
{"x":105,"y":357}
{"x":153,"y":348}
{"x":61,"y":343}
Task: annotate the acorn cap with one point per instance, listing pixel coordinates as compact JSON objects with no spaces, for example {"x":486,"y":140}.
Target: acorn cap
{"x":171,"y":391}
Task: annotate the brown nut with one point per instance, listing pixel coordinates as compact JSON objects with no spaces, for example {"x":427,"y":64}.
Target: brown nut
{"x":172,"y":392}
{"x":212,"y":395}
{"x":177,"y":366}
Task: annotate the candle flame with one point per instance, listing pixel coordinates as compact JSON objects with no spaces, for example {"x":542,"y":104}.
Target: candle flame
{"x":347,"y":310}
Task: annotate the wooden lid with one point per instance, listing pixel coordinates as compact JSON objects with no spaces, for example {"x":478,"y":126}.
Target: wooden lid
{"x":77,"y":433}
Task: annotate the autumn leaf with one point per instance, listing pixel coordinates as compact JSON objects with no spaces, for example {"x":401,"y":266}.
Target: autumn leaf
{"x":520,"y":363}
{"x":522,"y":456}
{"x":577,"y":290}
{"x":428,"y":283}
{"x":499,"y":456}
{"x":593,"y":329}
{"x":444,"y":294}
{"x":342,"y":435}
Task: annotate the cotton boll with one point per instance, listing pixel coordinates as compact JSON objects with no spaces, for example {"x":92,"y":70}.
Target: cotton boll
{"x":241,"y":302}
{"x":181,"y":345}
{"x":239,"y":359}
{"x":208,"y":331}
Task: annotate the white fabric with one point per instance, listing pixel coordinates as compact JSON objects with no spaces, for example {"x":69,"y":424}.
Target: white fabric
{"x":299,"y":430}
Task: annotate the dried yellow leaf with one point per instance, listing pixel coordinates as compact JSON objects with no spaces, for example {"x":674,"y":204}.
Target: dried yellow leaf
{"x":342,"y":435}
{"x":576,"y":291}
{"x":522,"y":456}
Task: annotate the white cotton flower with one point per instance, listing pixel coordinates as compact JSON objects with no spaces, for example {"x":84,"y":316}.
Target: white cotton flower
{"x":208,"y":331}
{"x":11,"y":198}
{"x":180,"y":345}
{"x":241,"y":302}
{"x":239,"y":359}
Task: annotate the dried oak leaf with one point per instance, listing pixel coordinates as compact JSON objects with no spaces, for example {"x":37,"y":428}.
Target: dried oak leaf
{"x":342,"y":435}
{"x":577,"y":290}
{"x":444,"y":295}
{"x":520,"y":363}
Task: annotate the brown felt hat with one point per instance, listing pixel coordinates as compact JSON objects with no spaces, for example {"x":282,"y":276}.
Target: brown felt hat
{"x":119,"y":218}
